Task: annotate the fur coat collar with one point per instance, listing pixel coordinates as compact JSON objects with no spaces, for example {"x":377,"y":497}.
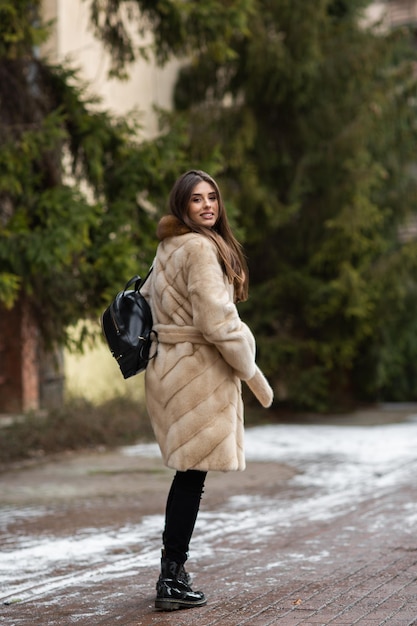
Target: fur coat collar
{"x":171,"y":226}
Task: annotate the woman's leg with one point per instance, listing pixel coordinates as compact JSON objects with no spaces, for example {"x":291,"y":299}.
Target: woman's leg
{"x":182,"y":508}
{"x":173,"y":589}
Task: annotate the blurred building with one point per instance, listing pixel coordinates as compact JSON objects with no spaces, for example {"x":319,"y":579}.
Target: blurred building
{"x":392,"y":13}
{"x":400,"y":12}
{"x":72,"y":40}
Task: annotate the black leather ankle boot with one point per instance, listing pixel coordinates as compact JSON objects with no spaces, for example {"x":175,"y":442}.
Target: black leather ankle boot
{"x":188,"y":578}
{"x":173,"y":590}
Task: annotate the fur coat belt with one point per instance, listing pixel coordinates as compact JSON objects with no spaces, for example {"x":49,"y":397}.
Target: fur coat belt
{"x":173,"y":334}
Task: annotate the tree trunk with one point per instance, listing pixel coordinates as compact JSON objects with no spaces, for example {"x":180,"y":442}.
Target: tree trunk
{"x":30,"y":379}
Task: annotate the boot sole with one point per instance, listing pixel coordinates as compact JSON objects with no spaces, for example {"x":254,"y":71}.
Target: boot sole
{"x":175,"y":605}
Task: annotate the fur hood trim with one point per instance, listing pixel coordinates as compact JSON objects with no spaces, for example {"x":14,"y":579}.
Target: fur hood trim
{"x":170,"y":226}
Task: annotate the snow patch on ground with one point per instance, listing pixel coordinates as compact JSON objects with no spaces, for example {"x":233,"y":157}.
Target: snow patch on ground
{"x":338,"y":466}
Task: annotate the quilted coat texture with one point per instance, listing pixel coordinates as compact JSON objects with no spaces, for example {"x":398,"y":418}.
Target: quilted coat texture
{"x":193,"y":386}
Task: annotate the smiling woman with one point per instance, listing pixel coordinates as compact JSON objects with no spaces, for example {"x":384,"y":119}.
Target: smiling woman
{"x":193,"y":385}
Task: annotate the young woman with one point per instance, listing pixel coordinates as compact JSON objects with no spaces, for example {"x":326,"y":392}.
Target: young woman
{"x":193,"y":386}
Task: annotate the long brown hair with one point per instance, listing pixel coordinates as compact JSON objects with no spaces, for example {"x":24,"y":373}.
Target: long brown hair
{"x":230,"y":250}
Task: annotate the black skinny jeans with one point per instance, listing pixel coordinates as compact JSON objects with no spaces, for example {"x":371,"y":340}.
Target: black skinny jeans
{"x":181,"y":513}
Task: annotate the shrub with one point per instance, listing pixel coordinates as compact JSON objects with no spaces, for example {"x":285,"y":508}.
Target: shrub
{"x":78,"y":425}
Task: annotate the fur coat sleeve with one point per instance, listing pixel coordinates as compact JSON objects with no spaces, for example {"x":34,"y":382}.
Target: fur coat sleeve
{"x":216,"y":316}
{"x":214,"y":312}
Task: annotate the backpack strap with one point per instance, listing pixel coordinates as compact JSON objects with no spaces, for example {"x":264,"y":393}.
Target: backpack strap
{"x":137,"y":281}
{"x":141,"y":283}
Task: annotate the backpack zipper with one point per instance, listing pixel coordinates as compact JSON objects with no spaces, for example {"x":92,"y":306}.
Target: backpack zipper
{"x":114,"y":321}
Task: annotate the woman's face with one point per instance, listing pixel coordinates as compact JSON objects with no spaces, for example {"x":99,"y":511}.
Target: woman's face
{"x":203,"y":208}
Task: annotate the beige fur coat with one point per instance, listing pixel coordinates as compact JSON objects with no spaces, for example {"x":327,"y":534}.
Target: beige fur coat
{"x":193,"y":386}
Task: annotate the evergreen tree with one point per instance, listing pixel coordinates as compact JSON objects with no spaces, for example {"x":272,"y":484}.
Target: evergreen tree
{"x":179,"y":28}
{"x":75,"y":184}
{"x":314,"y":115}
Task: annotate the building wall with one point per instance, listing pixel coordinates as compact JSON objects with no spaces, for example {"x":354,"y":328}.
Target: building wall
{"x":72,"y":40}
{"x":392,"y":13}
{"x":401,"y":12}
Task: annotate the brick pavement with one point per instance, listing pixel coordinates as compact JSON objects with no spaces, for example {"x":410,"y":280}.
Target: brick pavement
{"x":359,"y":567}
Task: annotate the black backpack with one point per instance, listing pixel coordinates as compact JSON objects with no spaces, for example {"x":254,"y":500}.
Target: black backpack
{"x":127,"y":326}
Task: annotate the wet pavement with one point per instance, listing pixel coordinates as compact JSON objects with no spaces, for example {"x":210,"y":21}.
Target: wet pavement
{"x":320,"y":529}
